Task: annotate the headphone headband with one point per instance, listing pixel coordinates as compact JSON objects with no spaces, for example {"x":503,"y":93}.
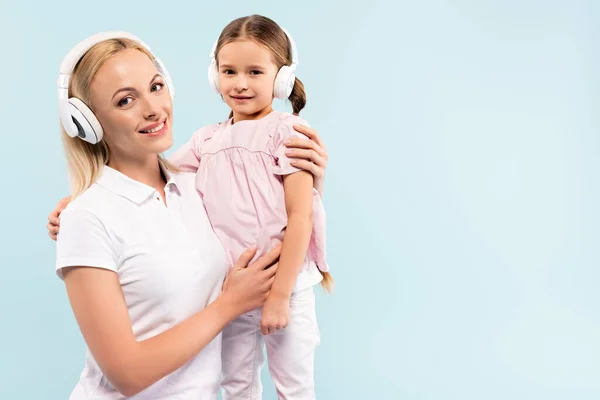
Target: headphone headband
{"x":293,"y":47}
{"x":213,"y":51}
{"x":72,"y":58}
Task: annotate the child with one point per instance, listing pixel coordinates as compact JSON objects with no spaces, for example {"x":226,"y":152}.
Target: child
{"x":255,"y":197}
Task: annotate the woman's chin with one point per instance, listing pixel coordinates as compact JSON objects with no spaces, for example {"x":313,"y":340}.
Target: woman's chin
{"x":165,"y":143}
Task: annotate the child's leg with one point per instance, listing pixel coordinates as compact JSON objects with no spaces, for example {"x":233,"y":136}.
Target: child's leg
{"x":291,"y":351}
{"x":242,"y":357}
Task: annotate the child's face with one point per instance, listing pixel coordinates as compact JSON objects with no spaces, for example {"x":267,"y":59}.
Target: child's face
{"x":246,"y":79}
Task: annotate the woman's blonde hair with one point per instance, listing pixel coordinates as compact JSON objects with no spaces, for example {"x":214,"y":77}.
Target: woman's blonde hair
{"x":85,"y":160}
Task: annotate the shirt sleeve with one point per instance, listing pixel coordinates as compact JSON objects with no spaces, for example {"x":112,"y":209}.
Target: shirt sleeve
{"x":84,"y":241}
{"x":187,"y":158}
{"x":284,"y":131}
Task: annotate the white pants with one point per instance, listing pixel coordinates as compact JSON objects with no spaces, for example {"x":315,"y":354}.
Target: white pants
{"x":290,"y":353}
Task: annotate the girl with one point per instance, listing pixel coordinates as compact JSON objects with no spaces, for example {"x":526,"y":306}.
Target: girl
{"x":254,"y":196}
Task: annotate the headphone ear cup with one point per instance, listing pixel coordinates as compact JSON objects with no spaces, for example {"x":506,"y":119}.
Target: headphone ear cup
{"x":213,"y":77}
{"x":89,"y":129}
{"x":165,"y":75}
{"x":284,"y":82}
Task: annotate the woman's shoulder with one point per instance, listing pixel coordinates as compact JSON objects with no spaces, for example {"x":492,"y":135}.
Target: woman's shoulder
{"x":90,"y":212}
{"x":92,"y":200}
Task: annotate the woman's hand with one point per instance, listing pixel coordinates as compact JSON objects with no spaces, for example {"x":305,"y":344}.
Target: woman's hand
{"x":309,"y":154}
{"x":247,"y":287}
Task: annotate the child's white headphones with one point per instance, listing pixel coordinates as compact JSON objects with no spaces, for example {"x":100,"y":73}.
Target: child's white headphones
{"x":76,"y":117}
{"x":284,"y":81}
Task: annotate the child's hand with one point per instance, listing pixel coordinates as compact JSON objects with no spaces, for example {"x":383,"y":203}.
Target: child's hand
{"x":54,"y":217}
{"x":275,"y":314}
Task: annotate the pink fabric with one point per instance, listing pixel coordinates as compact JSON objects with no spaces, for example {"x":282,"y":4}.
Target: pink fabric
{"x":239,"y":170}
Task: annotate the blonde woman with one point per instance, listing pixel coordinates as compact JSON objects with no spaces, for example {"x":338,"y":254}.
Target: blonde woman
{"x":144,"y":271}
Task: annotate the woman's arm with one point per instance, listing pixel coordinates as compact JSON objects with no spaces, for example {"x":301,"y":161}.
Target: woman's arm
{"x":298,"y":203}
{"x":131,"y":366}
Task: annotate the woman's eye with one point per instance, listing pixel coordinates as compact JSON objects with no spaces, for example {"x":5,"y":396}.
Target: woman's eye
{"x":124,"y":101}
{"x":157,"y":86}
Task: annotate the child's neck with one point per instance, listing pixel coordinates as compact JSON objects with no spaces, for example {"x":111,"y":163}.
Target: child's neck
{"x":237,"y":117}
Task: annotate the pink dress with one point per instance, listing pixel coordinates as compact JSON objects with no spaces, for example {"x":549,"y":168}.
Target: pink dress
{"x":239,"y":175}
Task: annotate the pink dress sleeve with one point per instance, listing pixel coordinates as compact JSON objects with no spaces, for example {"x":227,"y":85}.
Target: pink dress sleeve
{"x":187,"y":158}
{"x":284,"y":130}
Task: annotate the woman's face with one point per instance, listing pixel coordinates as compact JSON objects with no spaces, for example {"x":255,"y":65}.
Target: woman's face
{"x":132,"y":103}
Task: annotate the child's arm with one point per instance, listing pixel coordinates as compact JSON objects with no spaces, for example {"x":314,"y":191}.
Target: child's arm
{"x":187,"y":157}
{"x":298,"y":202}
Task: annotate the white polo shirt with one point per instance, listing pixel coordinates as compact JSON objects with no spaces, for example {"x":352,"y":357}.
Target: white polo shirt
{"x":170,"y":264}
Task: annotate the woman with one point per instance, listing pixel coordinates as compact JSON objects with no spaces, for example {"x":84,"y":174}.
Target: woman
{"x":143,"y":269}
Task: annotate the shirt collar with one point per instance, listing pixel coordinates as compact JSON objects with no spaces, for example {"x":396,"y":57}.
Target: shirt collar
{"x":131,"y":189}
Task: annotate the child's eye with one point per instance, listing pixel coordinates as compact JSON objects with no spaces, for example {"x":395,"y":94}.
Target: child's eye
{"x":157,"y":86}
{"x":228,"y":71}
{"x":255,"y":72}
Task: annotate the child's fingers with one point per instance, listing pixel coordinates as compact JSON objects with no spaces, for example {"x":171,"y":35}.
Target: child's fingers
{"x":264,"y":328}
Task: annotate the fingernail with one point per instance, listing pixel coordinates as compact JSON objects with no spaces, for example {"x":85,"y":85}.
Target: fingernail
{"x":288,"y":152}
{"x":288,"y":141}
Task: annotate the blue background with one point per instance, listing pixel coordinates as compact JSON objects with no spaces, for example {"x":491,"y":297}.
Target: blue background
{"x":462,"y":191}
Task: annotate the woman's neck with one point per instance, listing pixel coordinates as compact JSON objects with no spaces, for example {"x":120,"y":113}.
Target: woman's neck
{"x":145,"y":171}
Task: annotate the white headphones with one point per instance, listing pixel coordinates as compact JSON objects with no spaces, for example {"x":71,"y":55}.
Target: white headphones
{"x":284,"y":81}
{"x":76,"y":117}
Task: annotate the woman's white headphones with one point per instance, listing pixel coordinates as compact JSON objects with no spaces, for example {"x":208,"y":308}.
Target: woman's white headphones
{"x":76,"y":117}
{"x":284,"y":81}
